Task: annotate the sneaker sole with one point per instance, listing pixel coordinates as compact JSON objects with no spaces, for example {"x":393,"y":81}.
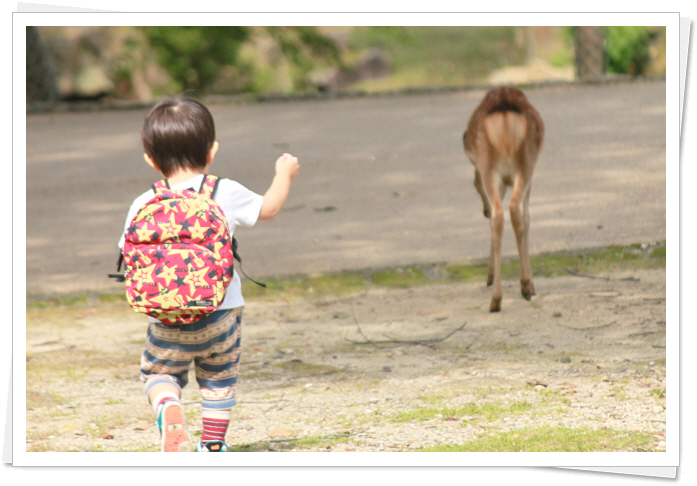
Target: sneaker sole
{"x":175,"y":436}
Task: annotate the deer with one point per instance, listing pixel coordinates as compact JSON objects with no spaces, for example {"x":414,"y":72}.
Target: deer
{"x":503,"y":140}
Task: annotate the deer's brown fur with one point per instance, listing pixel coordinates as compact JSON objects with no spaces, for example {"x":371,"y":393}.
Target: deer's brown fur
{"x":503,"y":140}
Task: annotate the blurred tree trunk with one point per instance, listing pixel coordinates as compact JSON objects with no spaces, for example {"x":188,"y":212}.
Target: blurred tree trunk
{"x":41,"y":79}
{"x":530,"y":50}
{"x":590,"y":53}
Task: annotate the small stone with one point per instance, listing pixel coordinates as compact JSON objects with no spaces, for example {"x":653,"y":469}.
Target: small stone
{"x":387,"y":368}
{"x":282,"y":432}
{"x":565,"y":359}
{"x":657,"y":409}
{"x":609,"y":293}
{"x":69,"y":427}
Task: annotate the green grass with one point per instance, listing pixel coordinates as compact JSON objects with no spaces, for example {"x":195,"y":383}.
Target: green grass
{"x":400,"y":277}
{"x":555,"y":439}
{"x":314,"y":442}
{"x":39,"y":399}
{"x":76,"y":363}
{"x":488,"y":411}
{"x":69,"y":300}
{"x":317,"y":286}
{"x":302,"y":368}
{"x":107,"y":298}
{"x":659,"y":252}
{"x":591,"y":262}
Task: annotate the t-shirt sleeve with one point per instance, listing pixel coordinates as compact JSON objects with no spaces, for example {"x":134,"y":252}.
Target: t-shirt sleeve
{"x":137,"y":204}
{"x":240,"y":205}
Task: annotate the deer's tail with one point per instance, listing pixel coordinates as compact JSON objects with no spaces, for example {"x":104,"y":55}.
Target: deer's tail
{"x":505,"y":128}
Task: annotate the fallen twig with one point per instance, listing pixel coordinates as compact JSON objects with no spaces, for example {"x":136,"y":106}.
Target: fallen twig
{"x":573,"y":272}
{"x":591,"y":328}
{"x":625,"y":279}
{"x":425,"y":342}
{"x":275,"y":404}
{"x":393,"y":340}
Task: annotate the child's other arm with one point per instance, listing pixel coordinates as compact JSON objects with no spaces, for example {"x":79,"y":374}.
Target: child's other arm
{"x":287,"y":169}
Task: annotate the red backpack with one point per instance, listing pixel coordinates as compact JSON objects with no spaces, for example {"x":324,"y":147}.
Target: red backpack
{"x":178,"y":254}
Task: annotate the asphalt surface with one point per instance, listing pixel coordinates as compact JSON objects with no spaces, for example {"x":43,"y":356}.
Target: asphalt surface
{"x":384,"y":181}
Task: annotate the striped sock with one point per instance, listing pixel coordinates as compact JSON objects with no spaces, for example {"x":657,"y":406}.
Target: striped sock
{"x":215,"y":424}
{"x":161,"y":399}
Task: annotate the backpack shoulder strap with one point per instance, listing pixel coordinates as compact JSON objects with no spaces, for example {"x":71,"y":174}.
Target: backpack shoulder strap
{"x":209,"y":185}
{"x":160,"y":186}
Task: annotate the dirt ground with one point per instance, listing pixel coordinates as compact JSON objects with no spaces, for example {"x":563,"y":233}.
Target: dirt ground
{"x":585,"y":353}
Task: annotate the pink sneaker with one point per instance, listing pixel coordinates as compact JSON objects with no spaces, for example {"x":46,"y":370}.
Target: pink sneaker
{"x":173,"y":430}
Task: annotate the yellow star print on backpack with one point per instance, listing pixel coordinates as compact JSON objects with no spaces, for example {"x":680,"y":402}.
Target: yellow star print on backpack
{"x":178,"y":254}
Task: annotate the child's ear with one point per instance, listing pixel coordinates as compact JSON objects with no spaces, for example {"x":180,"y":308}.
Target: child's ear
{"x":212,"y":152}
{"x":151,"y":162}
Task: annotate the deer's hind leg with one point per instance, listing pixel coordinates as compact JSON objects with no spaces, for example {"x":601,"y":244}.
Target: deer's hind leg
{"x":487,"y":213}
{"x":490,"y":185}
{"x":520,"y":219}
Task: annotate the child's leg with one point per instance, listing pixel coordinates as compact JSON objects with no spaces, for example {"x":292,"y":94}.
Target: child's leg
{"x":216,"y":375}
{"x":164,"y":368}
{"x":160,"y":390}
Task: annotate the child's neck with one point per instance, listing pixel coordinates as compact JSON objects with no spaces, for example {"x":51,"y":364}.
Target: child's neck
{"x":184,"y":175}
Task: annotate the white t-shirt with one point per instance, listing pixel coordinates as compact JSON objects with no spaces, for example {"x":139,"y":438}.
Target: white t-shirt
{"x":241,"y":208}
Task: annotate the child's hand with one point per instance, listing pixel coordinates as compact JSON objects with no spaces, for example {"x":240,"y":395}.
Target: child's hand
{"x":288,"y":165}
{"x":287,"y":169}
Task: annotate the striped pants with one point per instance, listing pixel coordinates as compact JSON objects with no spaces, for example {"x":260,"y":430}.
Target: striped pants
{"x":212,"y":343}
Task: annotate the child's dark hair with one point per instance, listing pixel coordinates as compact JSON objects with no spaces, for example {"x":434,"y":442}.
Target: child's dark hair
{"x":178,"y":134}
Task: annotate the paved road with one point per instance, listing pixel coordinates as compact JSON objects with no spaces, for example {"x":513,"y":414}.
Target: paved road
{"x":384,"y":181}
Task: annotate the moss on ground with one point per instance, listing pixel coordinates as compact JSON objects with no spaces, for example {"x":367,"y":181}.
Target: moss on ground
{"x":606,"y":260}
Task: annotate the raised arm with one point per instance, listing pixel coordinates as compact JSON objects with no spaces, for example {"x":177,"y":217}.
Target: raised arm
{"x":287,"y":169}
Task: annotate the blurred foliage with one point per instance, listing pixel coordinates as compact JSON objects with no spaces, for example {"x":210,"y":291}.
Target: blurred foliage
{"x":436,"y":56}
{"x":193,"y":55}
{"x":142,"y":62}
{"x":306,"y":49}
{"x":384,"y":37}
{"x":628,"y":49}
{"x":241,"y":59}
{"x":300,"y":43}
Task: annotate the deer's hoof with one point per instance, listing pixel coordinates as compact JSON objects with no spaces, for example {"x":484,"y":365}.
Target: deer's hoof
{"x":495,"y":304}
{"x":527,"y":289}
{"x":490,"y":280}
